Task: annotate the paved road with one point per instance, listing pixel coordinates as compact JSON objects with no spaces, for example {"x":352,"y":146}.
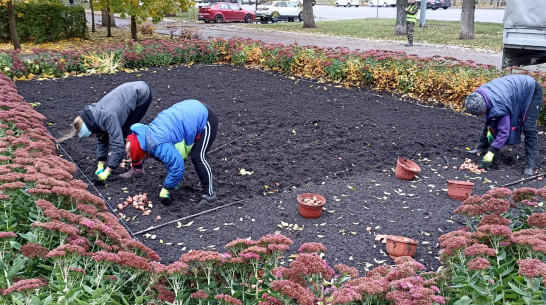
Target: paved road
{"x":327,"y":12}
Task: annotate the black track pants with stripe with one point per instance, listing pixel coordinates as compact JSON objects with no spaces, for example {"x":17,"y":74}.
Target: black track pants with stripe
{"x":199,"y":152}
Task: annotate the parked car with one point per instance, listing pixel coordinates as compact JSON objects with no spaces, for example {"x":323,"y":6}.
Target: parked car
{"x":445,"y":4}
{"x":433,"y":4}
{"x":383,"y":3}
{"x":225,"y":12}
{"x":280,"y":10}
{"x":347,"y":3}
{"x":300,"y":2}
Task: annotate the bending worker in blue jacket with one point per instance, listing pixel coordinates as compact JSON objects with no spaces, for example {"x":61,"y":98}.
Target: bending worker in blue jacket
{"x":110,"y":120}
{"x":187,"y":128}
{"x":510,"y":105}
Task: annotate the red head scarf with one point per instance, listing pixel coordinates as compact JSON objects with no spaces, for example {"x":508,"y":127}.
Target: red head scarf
{"x":136,"y":153}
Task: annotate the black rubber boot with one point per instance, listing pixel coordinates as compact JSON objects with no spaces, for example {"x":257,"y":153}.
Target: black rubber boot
{"x":478,"y":150}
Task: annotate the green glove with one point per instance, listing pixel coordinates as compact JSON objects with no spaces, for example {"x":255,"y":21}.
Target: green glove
{"x":490,"y":137}
{"x":488,"y":156}
{"x":103,"y":176}
{"x":487,"y":160}
{"x":164,"y":193}
{"x":100,"y":168}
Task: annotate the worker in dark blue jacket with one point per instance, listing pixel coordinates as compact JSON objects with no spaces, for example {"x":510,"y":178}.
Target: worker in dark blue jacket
{"x":186,"y":129}
{"x":510,"y":106}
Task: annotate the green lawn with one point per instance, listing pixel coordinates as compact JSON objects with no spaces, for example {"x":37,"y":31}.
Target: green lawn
{"x":488,"y":35}
{"x":190,"y":15}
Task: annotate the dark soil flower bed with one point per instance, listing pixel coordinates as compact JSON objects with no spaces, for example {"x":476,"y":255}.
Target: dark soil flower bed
{"x":284,"y":137}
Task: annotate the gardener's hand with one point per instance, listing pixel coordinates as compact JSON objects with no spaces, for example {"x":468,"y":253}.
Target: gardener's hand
{"x":487,"y":160}
{"x":490,"y":137}
{"x":104,"y":175}
{"x":164,"y":194}
{"x":100,"y":168}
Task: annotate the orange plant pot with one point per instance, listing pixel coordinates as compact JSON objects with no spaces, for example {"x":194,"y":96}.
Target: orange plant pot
{"x":459,"y":190}
{"x":400,"y":246}
{"x":406,"y":169}
{"x":310,"y":205}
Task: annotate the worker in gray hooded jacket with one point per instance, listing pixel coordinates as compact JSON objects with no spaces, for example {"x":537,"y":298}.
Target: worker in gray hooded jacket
{"x":110,"y":120}
{"x":510,"y":106}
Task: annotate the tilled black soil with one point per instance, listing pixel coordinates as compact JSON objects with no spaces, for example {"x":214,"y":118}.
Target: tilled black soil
{"x":294,"y":136}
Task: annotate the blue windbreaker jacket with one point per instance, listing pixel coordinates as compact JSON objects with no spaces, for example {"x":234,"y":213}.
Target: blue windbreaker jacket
{"x":171,"y":135}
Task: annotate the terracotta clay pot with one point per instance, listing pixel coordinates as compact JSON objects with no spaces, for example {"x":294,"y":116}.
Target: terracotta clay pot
{"x":406,"y":169}
{"x":459,"y":190}
{"x":400,"y":246}
{"x":310,"y":205}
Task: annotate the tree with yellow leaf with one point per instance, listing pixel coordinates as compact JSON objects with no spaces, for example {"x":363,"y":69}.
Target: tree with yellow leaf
{"x":140,"y":10}
{"x":12,"y":25}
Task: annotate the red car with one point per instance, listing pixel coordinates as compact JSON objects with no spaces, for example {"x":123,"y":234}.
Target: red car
{"x":225,"y":11}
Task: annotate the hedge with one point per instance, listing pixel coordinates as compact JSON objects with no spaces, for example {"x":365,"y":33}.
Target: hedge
{"x":44,"y":22}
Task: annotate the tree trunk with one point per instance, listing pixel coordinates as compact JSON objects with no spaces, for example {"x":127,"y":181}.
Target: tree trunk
{"x":308,"y":16}
{"x":109,"y":21}
{"x":134,"y":35}
{"x":467,"y":19}
{"x":104,"y":21}
{"x":92,"y":16}
{"x":400,"y":17}
{"x":12,"y":25}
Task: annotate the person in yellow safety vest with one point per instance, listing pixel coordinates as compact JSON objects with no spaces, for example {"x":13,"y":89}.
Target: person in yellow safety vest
{"x":411,"y":18}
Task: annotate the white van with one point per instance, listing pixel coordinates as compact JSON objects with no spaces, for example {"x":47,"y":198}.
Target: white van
{"x":383,"y":3}
{"x":347,"y":3}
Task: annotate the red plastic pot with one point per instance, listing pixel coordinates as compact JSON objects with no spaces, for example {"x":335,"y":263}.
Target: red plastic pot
{"x":400,"y":246}
{"x":459,"y":190}
{"x":310,"y":205}
{"x":406,"y":169}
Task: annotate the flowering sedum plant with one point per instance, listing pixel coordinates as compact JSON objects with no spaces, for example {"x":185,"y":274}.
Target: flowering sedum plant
{"x":499,"y":257}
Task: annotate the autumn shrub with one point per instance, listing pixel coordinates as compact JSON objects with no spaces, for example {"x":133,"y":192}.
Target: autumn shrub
{"x":43,"y":21}
{"x":499,"y":258}
{"x":146,"y":28}
{"x":435,"y":80}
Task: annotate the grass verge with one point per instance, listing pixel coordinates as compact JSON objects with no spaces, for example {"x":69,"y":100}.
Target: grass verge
{"x":488,"y":35}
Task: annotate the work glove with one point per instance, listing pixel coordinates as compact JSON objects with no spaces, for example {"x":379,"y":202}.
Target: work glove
{"x":487,"y":160}
{"x":164,"y":194}
{"x":103,"y":175}
{"x":490,"y":137}
{"x":100,"y":168}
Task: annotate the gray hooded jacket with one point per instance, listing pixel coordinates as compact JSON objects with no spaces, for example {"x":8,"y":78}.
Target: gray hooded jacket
{"x":107,"y":117}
